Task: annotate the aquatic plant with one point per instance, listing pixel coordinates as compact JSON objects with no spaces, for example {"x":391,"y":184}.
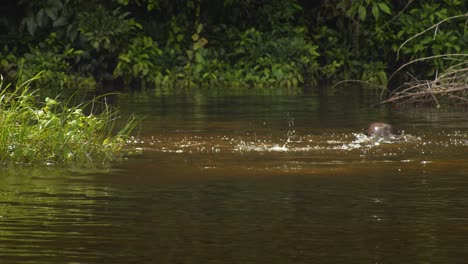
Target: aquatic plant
{"x":34,"y":130}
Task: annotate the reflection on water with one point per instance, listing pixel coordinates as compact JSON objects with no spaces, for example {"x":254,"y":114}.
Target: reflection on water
{"x":239,"y":180}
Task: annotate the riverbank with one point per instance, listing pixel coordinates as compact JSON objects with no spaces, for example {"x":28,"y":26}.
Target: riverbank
{"x":48,"y":131}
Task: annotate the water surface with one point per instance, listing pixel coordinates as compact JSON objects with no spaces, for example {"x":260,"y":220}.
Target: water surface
{"x":252,"y":178}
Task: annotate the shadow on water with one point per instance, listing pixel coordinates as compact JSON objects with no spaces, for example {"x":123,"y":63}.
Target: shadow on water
{"x":256,"y":178}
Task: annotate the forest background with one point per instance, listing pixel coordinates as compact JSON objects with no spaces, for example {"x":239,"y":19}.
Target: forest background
{"x":230,"y":43}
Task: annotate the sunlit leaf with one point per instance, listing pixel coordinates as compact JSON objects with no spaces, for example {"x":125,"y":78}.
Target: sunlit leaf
{"x":198,"y":68}
{"x":199,"y":58}
{"x":203,"y":42}
{"x":362,"y":13}
{"x":375,"y":12}
{"x":278,"y":73}
{"x":180,"y":37}
{"x":199,"y":28}
{"x":384,"y":7}
{"x":190,"y":54}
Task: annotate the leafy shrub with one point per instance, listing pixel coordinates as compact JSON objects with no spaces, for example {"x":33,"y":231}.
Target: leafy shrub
{"x":105,"y":29}
{"x":139,"y":61}
{"x":267,"y":59}
{"x":56,"y":70}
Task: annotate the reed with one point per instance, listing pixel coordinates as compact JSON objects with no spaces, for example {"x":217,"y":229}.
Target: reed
{"x":48,"y":131}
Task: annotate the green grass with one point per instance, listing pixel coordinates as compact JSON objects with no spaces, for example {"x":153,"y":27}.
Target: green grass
{"x":47,"y":131}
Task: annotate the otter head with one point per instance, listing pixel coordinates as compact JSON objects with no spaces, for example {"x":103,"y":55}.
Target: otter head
{"x":379,"y":130}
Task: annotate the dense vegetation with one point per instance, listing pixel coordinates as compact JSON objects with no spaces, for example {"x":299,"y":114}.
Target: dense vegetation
{"x":35,"y":131}
{"x":234,"y":43}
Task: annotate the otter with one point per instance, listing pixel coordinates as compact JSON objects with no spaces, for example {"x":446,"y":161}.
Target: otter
{"x":380,"y":130}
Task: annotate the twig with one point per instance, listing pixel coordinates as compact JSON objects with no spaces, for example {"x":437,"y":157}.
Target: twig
{"x":465,"y":100}
{"x":422,"y":93}
{"x":432,"y":94}
{"x":359,"y":81}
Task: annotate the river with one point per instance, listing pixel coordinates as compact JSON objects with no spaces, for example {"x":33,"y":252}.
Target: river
{"x":252,"y":177}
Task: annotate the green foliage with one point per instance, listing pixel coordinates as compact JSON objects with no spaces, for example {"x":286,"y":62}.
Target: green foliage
{"x":279,"y":16}
{"x":234,"y":43}
{"x":150,"y":4}
{"x":42,"y":14}
{"x":360,"y":10}
{"x":105,"y":29}
{"x":353,"y":38}
{"x":139,"y":61}
{"x":47,"y":131}
{"x":447,"y":34}
{"x":54,"y":64}
{"x":375,"y":73}
{"x":270,"y":60}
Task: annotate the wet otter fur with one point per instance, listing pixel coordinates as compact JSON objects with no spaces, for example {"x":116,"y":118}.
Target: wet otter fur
{"x":380,"y":130}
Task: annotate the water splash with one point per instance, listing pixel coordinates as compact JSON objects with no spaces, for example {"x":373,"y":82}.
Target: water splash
{"x":290,"y":134}
{"x":291,"y":142}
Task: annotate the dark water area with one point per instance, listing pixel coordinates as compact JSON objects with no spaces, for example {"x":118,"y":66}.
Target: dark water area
{"x":252,"y":177}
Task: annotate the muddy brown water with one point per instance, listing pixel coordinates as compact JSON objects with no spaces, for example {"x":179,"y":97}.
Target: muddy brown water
{"x":252,"y":178}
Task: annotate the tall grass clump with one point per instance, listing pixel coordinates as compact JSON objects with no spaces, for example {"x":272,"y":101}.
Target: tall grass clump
{"x":34,"y":130}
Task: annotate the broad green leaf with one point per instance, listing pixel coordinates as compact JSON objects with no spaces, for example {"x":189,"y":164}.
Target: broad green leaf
{"x":51,"y":13}
{"x":362,"y":13}
{"x":203,"y":42}
{"x":199,"y":58}
{"x":124,"y":58}
{"x":190,"y":54}
{"x":195,"y":37}
{"x":278,"y":73}
{"x":297,"y":6}
{"x":295,"y":82}
{"x":40,"y":17}
{"x":199,"y":28}
{"x":180,"y":37}
{"x":418,"y":47}
{"x":400,"y":33}
{"x":30,"y":25}
{"x":300,"y":78}
{"x":375,"y":12}
{"x":382,"y":77}
{"x":384,"y":7}
{"x":61,"y":21}
{"x":198,"y":68}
